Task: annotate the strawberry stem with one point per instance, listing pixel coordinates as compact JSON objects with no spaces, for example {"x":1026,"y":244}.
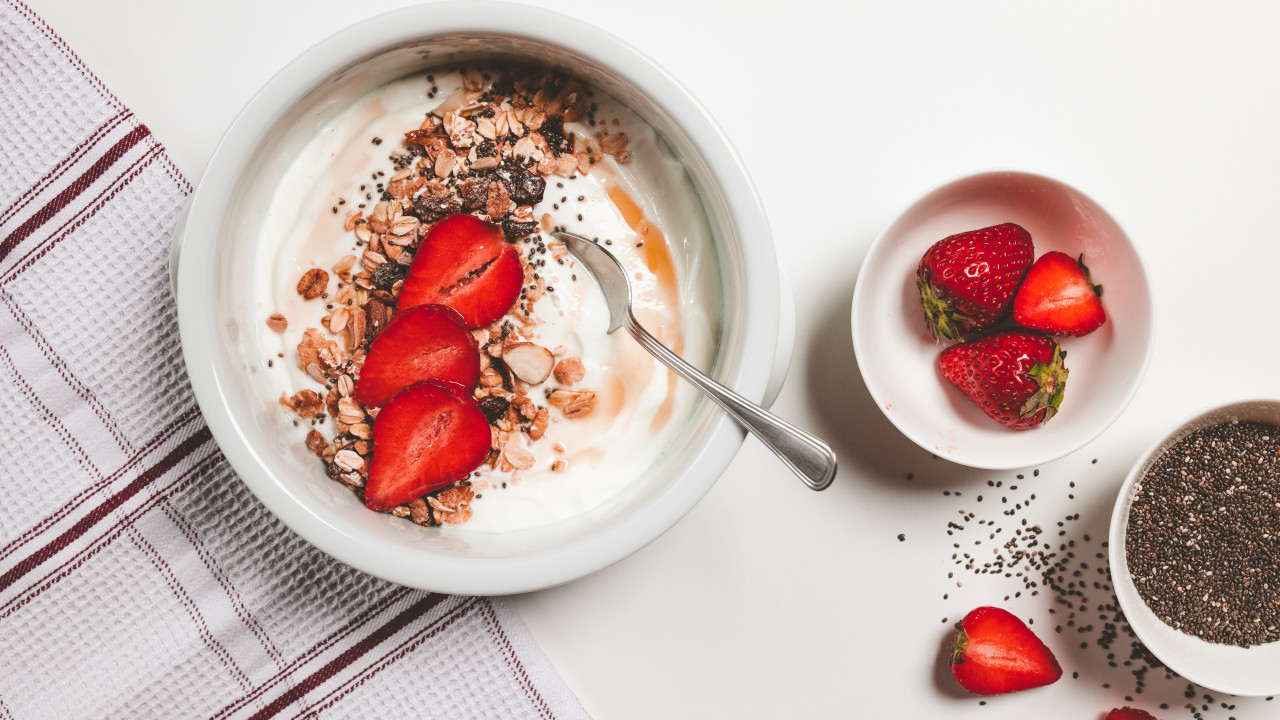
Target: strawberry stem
{"x":943,"y":320}
{"x":1097,"y":289}
{"x":1051,"y":380}
{"x":959,"y":645}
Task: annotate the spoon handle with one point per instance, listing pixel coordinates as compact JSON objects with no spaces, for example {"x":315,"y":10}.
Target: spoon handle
{"x":808,"y":457}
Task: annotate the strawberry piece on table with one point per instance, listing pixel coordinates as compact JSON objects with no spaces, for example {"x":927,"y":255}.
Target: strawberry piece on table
{"x":1058,"y":296}
{"x":465,"y":263}
{"x":1129,"y":713}
{"x":428,"y":437}
{"x":995,"y":653}
{"x":1015,"y":376}
{"x":428,"y":342}
{"x":967,"y":281}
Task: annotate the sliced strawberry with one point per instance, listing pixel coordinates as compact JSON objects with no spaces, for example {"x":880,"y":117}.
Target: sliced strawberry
{"x":466,"y":264}
{"x":994,"y":653}
{"x":428,"y":342}
{"x":1058,"y":296}
{"x":1129,"y":713}
{"x":430,"y":436}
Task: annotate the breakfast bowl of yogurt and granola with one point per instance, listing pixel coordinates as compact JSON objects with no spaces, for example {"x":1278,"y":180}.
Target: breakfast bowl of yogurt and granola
{"x":395,"y":354}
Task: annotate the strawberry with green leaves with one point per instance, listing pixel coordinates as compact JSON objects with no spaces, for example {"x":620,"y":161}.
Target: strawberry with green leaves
{"x":994,"y":653}
{"x":1015,"y":376}
{"x":1057,"y":296}
{"x":967,"y":281}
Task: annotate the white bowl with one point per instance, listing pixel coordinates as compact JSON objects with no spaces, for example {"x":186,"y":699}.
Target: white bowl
{"x":218,"y":324}
{"x":1224,"y":668}
{"x":899,"y":360}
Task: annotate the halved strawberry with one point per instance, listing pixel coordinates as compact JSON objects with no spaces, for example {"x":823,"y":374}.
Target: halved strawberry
{"x":994,"y":653}
{"x":428,"y":437}
{"x":428,"y":342}
{"x":1058,"y":296}
{"x":465,"y":263}
{"x":1129,"y":713}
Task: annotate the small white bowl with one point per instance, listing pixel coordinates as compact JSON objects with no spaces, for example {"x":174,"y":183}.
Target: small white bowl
{"x":899,"y":360}
{"x":214,"y":248}
{"x":1222,"y":668}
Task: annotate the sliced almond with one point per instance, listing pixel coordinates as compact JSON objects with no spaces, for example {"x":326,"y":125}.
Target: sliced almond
{"x":529,"y":362}
{"x":519,"y":458}
{"x":348,"y":460}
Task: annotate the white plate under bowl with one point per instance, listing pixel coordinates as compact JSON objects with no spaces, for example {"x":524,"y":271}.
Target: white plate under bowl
{"x":899,"y":360}
{"x":1221,"y":668}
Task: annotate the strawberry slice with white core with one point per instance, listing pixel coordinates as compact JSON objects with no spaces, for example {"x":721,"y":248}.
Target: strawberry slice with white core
{"x":994,"y":652}
{"x":467,"y":264}
{"x":1058,"y":296}
{"x":428,"y":437}
{"x":428,"y":342}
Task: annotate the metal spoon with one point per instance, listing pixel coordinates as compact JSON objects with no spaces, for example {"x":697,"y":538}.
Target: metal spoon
{"x":806,"y":455}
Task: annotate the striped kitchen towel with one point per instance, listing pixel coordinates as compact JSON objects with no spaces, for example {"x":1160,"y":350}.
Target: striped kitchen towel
{"x":138,"y":576}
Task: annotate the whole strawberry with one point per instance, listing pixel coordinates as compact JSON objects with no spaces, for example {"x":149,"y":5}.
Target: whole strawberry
{"x":994,"y":653}
{"x":1015,"y":376}
{"x":967,"y":281}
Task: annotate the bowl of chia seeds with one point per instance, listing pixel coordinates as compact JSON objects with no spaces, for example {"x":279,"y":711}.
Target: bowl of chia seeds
{"x":1195,"y":548}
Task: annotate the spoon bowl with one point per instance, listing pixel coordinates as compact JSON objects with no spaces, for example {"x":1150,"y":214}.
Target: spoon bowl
{"x":808,"y":457}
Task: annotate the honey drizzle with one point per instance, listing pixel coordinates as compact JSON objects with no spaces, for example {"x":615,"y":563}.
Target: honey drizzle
{"x":657,"y":257}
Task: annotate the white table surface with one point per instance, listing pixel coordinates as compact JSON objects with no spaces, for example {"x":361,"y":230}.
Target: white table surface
{"x":769,"y":600}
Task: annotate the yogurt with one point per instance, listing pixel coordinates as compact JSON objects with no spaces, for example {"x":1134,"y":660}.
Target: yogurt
{"x":645,"y":212}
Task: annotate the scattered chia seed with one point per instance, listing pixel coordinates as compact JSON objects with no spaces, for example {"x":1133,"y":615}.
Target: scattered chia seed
{"x":1203,"y":538}
{"x":1064,"y":564}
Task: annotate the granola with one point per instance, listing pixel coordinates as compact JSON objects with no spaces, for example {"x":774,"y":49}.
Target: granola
{"x":488,"y":150}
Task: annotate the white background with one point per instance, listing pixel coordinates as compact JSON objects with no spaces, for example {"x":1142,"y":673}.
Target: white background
{"x":769,"y":600}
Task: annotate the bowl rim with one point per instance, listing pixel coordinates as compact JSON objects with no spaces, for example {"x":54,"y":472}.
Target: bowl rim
{"x":1117,"y":559}
{"x":438,"y":572}
{"x":877,"y":392}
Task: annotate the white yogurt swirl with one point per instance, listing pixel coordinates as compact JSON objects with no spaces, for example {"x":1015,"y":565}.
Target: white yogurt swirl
{"x":647,"y":212}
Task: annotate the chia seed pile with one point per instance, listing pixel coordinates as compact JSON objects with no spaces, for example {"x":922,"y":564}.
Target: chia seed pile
{"x":1203,"y":539}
